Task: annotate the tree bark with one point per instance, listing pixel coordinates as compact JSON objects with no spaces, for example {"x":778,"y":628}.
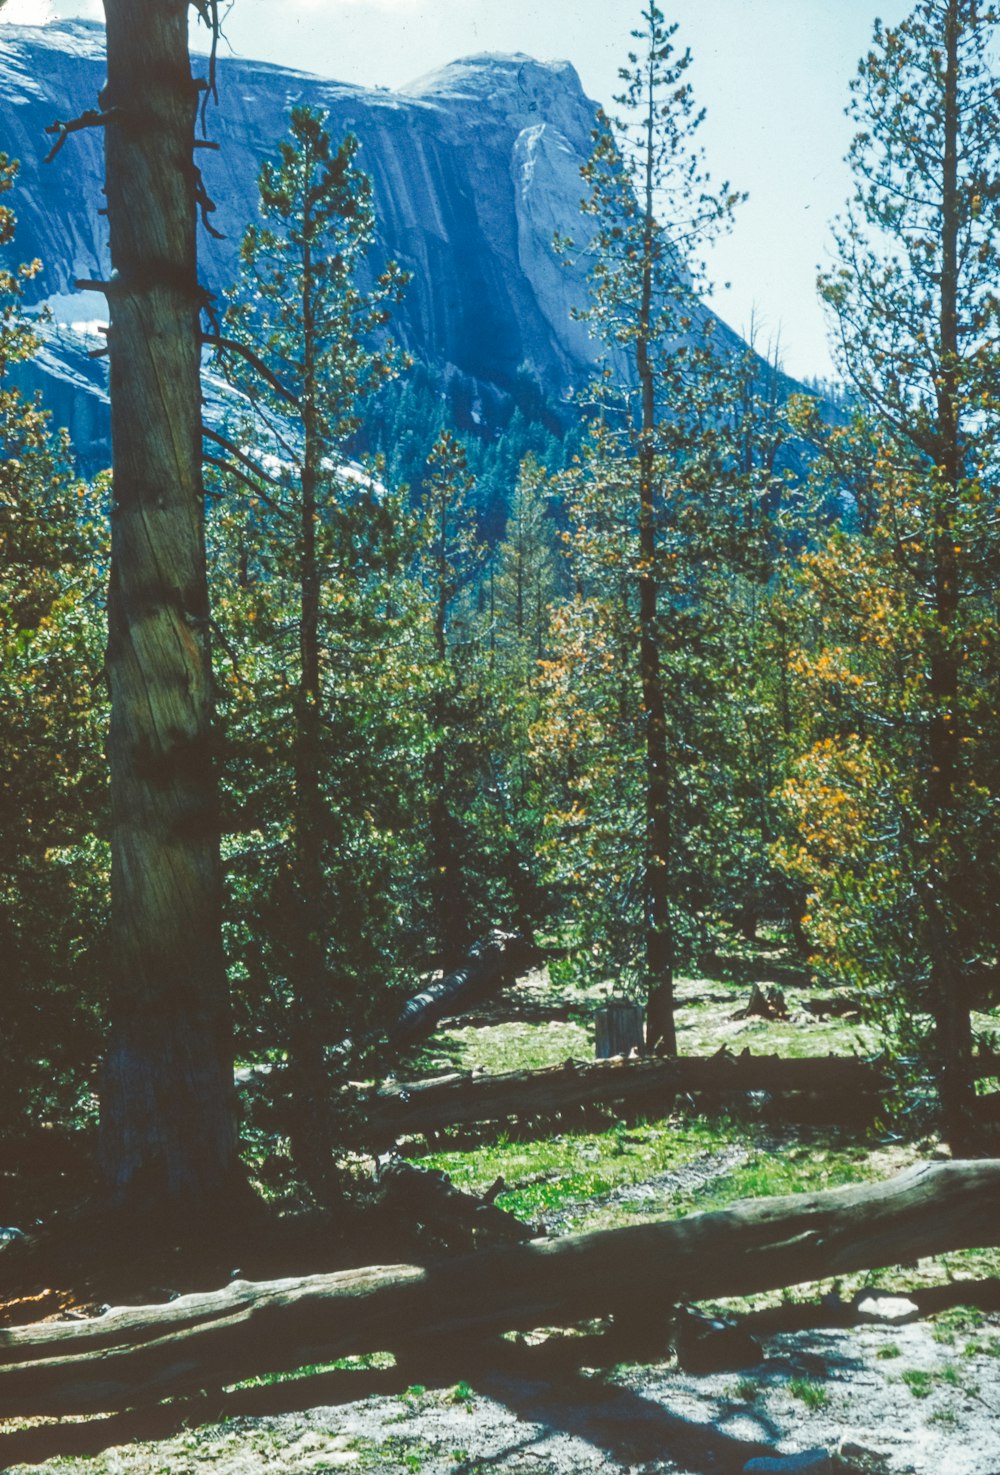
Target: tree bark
{"x":136,"y":1356}
{"x":167,"y":1126}
{"x":410,"y":1108}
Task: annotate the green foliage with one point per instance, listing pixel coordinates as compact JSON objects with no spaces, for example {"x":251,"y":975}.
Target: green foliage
{"x":321,"y":652}
{"x":53,"y":862}
{"x":658,"y":706}
{"x":894,"y":793}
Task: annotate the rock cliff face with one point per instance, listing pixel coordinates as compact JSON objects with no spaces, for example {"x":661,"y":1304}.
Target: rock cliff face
{"x":474,"y":168}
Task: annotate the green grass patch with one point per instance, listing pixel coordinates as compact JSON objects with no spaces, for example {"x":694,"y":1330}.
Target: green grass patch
{"x":503,"y":1047}
{"x":813,"y":1395}
{"x":367,"y":1362}
{"x":919,"y":1381}
{"x":561,"y":1172}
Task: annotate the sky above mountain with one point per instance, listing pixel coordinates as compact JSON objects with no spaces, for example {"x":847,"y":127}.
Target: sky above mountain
{"x":772,"y":74}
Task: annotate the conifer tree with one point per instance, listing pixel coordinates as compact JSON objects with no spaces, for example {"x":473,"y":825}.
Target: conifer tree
{"x":453,"y":556}
{"x":652,"y":210}
{"x":297,"y":344}
{"x":917,"y":319}
{"x":53,"y":863}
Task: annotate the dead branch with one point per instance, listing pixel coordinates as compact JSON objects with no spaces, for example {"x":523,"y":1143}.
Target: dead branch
{"x":230,"y":345}
{"x":92,"y":118}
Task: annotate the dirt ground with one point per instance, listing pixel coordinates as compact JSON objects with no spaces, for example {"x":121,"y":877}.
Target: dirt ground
{"x":893,"y":1399}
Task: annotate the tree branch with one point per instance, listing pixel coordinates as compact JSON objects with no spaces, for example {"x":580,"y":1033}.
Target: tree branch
{"x":90,"y":119}
{"x":215,"y":340}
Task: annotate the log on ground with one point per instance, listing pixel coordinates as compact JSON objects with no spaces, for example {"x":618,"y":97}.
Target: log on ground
{"x":398,"y":1109}
{"x":489,"y":966}
{"x":139,"y":1355}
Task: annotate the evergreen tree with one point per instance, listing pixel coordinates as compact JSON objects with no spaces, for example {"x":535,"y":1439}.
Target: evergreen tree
{"x":316,"y":533}
{"x":53,"y":861}
{"x":453,"y":557}
{"x":519,"y":588}
{"x":661,"y":447}
{"x":910,"y":646}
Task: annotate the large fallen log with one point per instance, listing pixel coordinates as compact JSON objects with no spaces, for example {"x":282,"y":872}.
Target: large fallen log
{"x":138,"y":1355}
{"x":489,"y":965}
{"x":396,"y":1109}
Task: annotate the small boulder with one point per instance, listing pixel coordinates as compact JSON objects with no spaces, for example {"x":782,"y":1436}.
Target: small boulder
{"x":860,"y":1459}
{"x":817,"y":1461}
{"x":873,"y":1306}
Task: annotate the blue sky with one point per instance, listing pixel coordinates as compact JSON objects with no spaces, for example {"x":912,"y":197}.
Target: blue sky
{"x":772,"y":74}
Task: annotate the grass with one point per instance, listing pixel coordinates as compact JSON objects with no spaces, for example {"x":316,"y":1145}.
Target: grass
{"x":813,"y":1395}
{"x":565,"y":1174}
{"x":501,"y":1047}
{"x":919,"y":1381}
{"x":367,"y":1362}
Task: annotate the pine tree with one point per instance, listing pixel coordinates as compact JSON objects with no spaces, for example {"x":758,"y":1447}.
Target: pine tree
{"x":53,"y":840}
{"x":917,"y":318}
{"x":661,"y":444}
{"x":315,"y":535}
{"x":453,"y":556}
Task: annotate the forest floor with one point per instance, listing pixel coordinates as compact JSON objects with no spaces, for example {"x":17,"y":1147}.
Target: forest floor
{"x":920,"y":1396}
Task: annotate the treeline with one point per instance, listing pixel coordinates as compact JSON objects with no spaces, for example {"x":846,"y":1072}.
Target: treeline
{"x":665,"y":687}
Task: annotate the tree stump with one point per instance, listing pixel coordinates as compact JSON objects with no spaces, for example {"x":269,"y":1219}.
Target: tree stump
{"x":766,"y":1002}
{"x":619,"y":1029}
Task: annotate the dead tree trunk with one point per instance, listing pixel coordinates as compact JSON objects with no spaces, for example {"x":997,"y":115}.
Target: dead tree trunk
{"x":408,"y":1108}
{"x":139,"y":1355}
{"x":167,"y":1133}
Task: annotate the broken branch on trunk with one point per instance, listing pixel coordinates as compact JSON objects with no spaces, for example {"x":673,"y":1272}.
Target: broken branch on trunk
{"x":139,"y":1355}
{"x":230,"y":345}
{"x":90,"y":119}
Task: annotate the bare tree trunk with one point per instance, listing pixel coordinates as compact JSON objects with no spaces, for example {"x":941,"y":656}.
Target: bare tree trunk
{"x":167,"y":1130}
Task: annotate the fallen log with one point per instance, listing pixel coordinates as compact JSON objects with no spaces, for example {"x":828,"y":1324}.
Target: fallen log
{"x":459,"y":1220}
{"x":397,"y":1109}
{"x":488,"y":966}
{"x":140,"y":1355}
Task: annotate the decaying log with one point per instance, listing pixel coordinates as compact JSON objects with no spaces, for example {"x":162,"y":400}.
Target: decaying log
{"x":487,"y":967}
{"x":458,"y":1219}
{"x":139,"y":1355}
{"x":396,"y":1109}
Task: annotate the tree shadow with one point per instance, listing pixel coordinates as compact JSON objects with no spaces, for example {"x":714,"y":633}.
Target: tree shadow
{"x":547,"y":1391}
{"x":629,"y":1426}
